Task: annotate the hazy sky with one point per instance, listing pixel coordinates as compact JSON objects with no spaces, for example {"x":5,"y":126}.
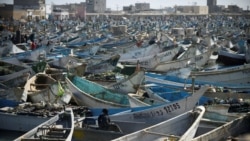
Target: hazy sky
{"x":114,"y":4}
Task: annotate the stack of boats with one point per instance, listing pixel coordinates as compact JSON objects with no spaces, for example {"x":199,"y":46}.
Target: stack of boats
{"x":174,"y":79}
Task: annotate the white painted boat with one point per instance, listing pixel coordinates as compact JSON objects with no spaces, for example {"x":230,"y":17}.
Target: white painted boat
{"x":150,"y":61}
{"x":5,"y":48}
{"x":136,"y":100}
{"x":59,"y":127}
{"x":103,"y":66}
{"x":188,"y":53}
{"x":171,"y":65}
{"x":220,"y":112}
{"x":232,"y":75}
{"x":148,"y":117}
{"x":145,"y":97}
{"x":228,"y":130}
{"x":130,"y":84}
{"x":186,"y":82}
{"x":216,"y":115}
{"x":65,"y":62}
{"x":34,"y":55}
{"x":90,"y":94}
{"x":70,"y":64}
{"x":42,"y":87}
{"x":12,"y":69}
{"x":141,"y":52}
{"x":188,"y":59}
{"x":90,"y":131}
{"x":86,"y":52}
{"x":182,"y":127}
{"x":19,"y":122}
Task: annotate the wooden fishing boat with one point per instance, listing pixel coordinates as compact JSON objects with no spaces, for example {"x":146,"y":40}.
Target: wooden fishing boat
{"x":156,"y":95}
{"x":167,"y":93}
{"x":19,"y":122}
{"x":184,"y":125}
{"x":141,"y":52}
{"x":183,"y":83}
{"x":34,"y":55}
{"x":89,"y":130}
{"x":70,"y":64}
{"x":8,"y":49}
{"x":86,"y":127}
{"x":118,"y":82}
{"x":150,"y":61}
{"x":86,"y":52}
{"x":57,"y":74}
{"x":221,"y":112}
{"x":10,"y":97}
{"x":190,"y":60}
{"x":217,"y":115}
{"x":87,"y":93}
{"x":230,"y":58}
{"x":104,"y":79}
{"x":42,"y":87}
{"x":148,"y":117}
{"x":231,"y":75}
{"x":103,"y":66}
{"x":12,"y":69}
{"x":171,"y":65}
{"x":18,"y":81}
{"x":136,"y":100}
{"x":130,"y":84}
{"x":229,"y":130}
{"x":59,"y":127}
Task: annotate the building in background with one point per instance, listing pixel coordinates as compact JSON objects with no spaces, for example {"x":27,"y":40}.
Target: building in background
{"x":6,"y":11}
{"x":192,"y":9}
{"x":29,"y":9}
{"x":96,"y":6}
{"x":81,"y":11}
{"x":48,"y":11}
{"x":234,"y":9}
{"x":142,"y":6}
{"x":129,"y":9}
{"x":60,"y":14}
{"x":212,"y":6}
{"x":75,"y":10}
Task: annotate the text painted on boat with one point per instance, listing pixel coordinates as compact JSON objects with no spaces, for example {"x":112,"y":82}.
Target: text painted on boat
{"x":164,"y":110}
{"x":119,"y":86}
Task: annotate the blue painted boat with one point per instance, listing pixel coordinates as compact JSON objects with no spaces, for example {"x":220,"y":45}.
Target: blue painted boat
{"x":84,"y":43}
{"x":10,"y":97}
{"x":142,"y":117}
{"x":178,"y":82}
{"x":87,"y":52}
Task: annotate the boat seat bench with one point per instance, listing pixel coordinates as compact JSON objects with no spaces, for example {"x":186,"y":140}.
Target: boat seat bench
{"x":56,"y":133}
{"x":40,"y":139}
{"x":54,"y":129}
{"x":33,"y":84}
{"x":162,"y":134}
